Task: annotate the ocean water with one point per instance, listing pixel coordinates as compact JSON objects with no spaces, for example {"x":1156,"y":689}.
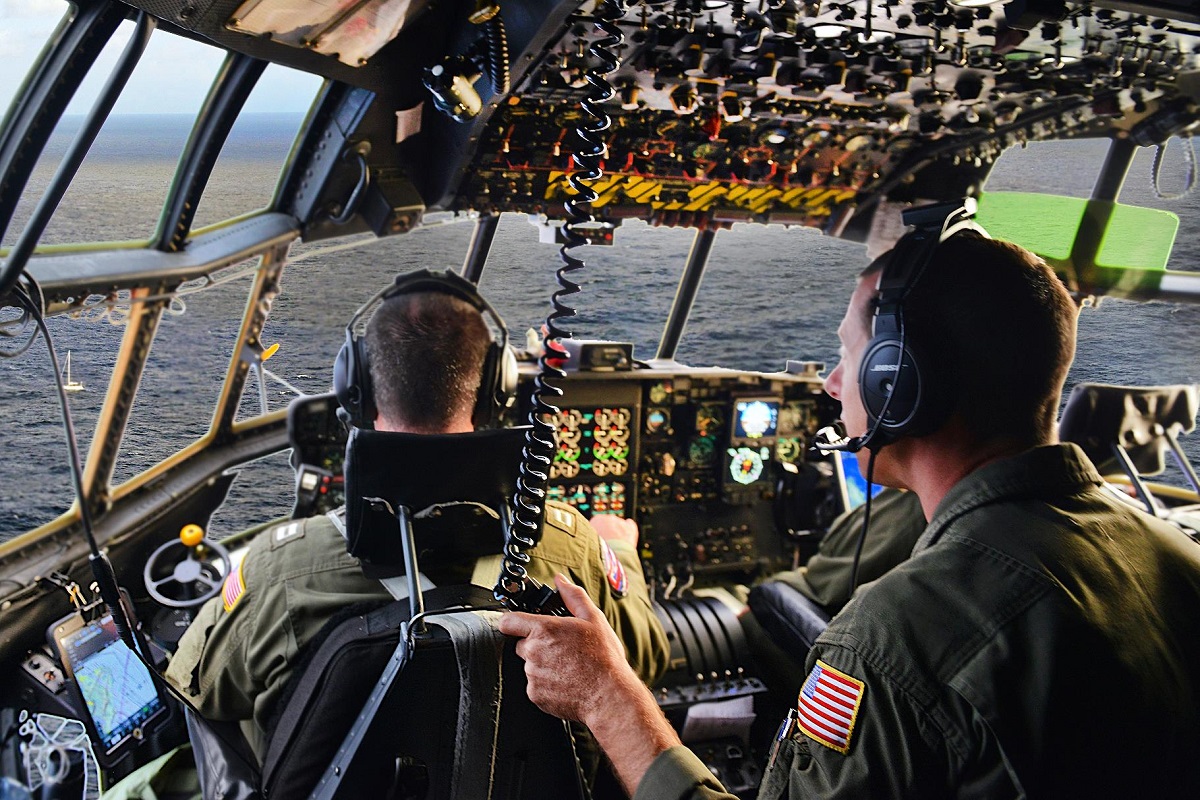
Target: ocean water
{"x":769,"y":295}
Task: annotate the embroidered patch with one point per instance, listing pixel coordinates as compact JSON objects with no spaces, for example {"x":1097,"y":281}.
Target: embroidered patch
{"x":286,"y":533}
{"x":561,"y":518}
{"x":235,"y":587}
{"x":828,"y":706}
{"x":614,"y":570}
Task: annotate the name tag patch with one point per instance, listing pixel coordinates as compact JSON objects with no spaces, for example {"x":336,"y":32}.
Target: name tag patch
{"x":286,"y":533}
{"x":828,"y":706}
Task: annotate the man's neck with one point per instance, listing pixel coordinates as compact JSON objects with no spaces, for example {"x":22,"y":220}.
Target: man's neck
{"x":934,"y":464}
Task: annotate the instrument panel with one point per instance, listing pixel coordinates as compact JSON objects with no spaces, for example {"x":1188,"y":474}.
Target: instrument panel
{"x":713,"y":464}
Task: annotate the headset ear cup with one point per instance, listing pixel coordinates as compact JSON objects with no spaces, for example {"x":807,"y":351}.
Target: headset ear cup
{"x":352,"y":382}
{"x":882,"y":373}
{"x":497,"y":387}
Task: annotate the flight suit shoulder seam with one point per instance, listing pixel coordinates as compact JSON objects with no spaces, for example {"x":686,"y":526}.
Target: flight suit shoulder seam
{"x":909,"y":687}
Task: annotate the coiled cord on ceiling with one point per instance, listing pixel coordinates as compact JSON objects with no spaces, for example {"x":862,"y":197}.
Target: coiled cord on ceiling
{"x":496,"y":62}
{"x":1189,"y":160}
{"x":529,"y":504}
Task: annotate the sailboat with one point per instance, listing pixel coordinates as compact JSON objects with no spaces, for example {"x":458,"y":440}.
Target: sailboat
{"x":69,"y":384}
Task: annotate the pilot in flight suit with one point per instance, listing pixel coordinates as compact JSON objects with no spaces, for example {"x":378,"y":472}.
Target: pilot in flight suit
{"x":1043,"y":641}
{"x":896,"y":522}
{"x":237,"y":655}
{"x":426,"y":347}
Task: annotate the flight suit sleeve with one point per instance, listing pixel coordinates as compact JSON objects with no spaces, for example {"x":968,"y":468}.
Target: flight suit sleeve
{"x":858,"y":733}
{"x":611,"y":574}
{"x":677,"y":774}
{"x":219,"y":663}
{"x":625,"y":601}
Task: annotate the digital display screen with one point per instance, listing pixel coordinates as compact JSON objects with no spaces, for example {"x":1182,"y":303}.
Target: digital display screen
{"x":755,"y":419}
{"x":116,"y":686}
{"x":856,"y":484}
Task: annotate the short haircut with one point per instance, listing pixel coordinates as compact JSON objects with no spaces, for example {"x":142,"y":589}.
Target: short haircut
{"x":997,"y":328}
{"x":426,"y":351}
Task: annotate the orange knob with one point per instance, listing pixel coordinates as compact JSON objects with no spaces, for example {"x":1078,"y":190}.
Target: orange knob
{"x":191,"y":535}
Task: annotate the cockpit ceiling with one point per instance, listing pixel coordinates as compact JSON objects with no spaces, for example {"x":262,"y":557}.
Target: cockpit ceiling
{"x":793,"y":111}
{"x":790,"y":112}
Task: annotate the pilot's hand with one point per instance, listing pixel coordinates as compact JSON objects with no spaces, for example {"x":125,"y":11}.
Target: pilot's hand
{"x":572,"y":664}
{"x":613,"y":528}
{"x":576,"y":669}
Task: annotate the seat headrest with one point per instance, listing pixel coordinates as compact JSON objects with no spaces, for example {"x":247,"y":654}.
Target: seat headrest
{"x":456,"y":486}
{"x":1136,"y":417}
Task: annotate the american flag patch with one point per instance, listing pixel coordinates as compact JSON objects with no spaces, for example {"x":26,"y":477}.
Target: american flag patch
{"x":235,"y":587}
{"x":614,"y":569}
{"x":828,"y":705}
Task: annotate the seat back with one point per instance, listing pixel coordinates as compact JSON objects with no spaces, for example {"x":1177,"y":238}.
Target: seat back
{"x":1140,"y":419}
{"x":456,"y":721}
{"x":1127,"y":429}
{"x":438,"y":708}
{"x":455,"y":485}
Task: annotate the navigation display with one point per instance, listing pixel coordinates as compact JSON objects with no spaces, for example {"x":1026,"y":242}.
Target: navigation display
{"x":856,"y":484}
{"x":116,"y":687}
{"x":756,"y":419}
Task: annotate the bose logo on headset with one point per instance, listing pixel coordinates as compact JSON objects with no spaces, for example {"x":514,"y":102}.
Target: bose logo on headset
{"x":898,"y":405}
{"x":351,"y":368}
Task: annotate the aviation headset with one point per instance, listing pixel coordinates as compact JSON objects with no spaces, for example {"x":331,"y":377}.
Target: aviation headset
{"x":900,"y":394}
{"x":351,"y":368}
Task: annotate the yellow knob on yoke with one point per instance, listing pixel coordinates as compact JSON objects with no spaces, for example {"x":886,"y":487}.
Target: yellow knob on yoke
{"x":191,"y":535}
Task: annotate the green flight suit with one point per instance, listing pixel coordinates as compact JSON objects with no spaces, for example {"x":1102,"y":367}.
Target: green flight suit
{"x":1043,"y":642}
{"x":237,"y":655}
{"x":896,"y":523}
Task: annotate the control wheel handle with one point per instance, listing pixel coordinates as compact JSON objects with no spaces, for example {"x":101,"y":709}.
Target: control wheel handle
{"x":199,"y":568}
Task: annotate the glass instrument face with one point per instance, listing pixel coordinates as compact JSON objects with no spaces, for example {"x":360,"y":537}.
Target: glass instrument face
{"x":746,"y":464}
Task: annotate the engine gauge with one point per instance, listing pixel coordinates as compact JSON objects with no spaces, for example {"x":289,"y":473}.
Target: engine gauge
{"x":709,"y":418}
{"x":659,"y":392}
{"x":788,"y":450}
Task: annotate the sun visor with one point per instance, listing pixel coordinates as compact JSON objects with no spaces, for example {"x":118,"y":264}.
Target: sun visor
{"x":349,"y":30}
{"x":1100,"y":246}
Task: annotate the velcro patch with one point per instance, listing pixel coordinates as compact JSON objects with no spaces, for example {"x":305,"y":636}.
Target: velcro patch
{"x":828,"y":706}
{"x":286,"y":533}
{"x":614,"y":570}
{"x":234,"y":588}
{"x":561,"y":518}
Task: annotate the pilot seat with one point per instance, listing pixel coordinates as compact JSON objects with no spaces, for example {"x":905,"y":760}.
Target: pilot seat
{"x":421,"y":698}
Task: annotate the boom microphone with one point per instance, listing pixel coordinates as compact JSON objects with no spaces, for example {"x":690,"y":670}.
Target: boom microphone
{"x":833,"y":437}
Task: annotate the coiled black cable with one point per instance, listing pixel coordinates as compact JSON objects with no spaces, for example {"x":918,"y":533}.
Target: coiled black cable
{"x":529,"y":504}
{"x":496,"y":62}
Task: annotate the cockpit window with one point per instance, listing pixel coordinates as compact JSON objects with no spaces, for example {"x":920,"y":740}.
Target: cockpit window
{"x":245,"y":175}
{"x":121,"y":186}
{"x":32,"y":429}
{"x":184,"y":372}
{"x":519,"y":281}
{"x":771,"y":294}
{"x":27,"y":24}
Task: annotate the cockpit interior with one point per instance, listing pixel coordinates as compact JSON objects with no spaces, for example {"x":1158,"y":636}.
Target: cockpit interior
{"x":597,"y":121}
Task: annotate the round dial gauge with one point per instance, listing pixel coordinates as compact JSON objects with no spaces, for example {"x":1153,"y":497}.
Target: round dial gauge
{"x":656,"y":420}
{"x":746,"y":464}
{"x":700,"y":451}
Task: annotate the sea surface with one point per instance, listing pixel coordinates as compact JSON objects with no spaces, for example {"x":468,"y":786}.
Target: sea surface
{"x":769,"y":295}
